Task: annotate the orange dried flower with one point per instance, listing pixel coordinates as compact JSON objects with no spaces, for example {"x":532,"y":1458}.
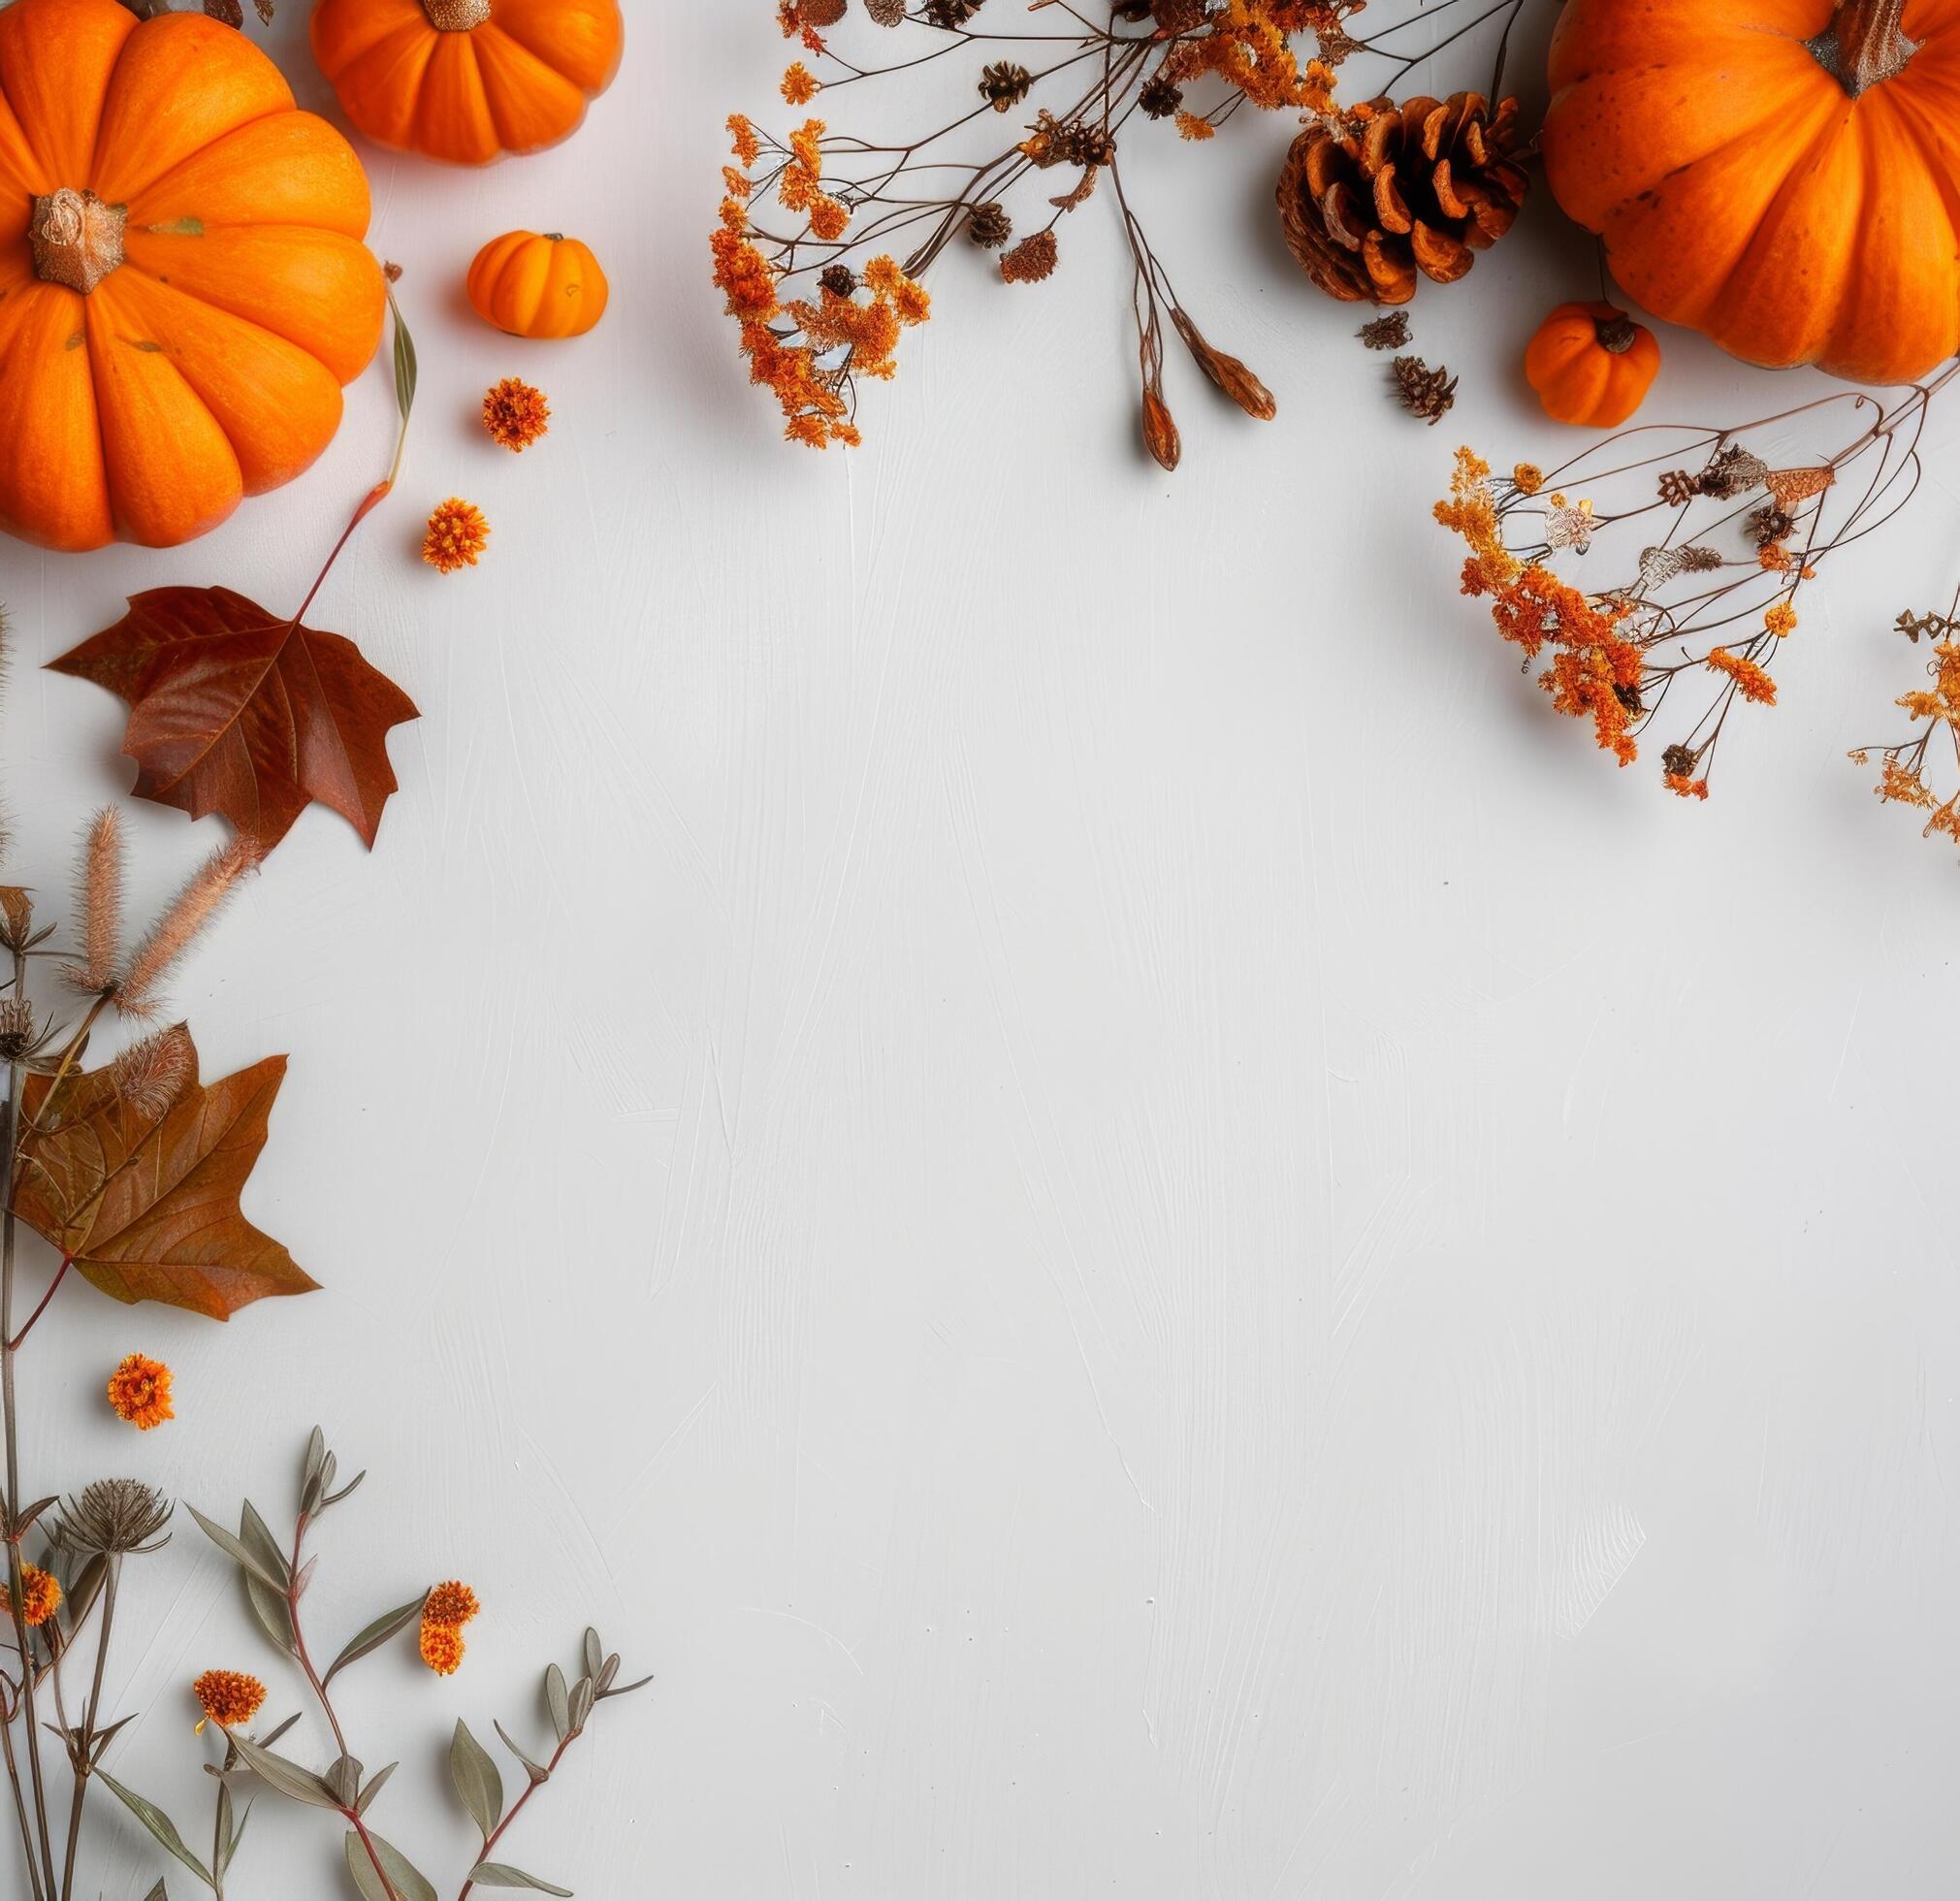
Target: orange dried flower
{"x":451,"y":1605}
{"x":139,"y":1390}
{"x":441,"y":1649}
{"x":456,"y":536}
{"x":228,"y":1697}
{"x":748,"y":147}
{"x":1780,"y":620}
{"x":1751,"y":681}
{"x":515,"y":414}
{"x":1527,"y":478}
{"x":800,"y":85}
{"x":40,"y":1596}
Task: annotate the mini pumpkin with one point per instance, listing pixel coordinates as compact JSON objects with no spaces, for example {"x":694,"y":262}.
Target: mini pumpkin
{"x":467,"y":80}
{"x":1780,"y":174}
{"x":537,"y":286}
{"x":183,"y":289}
{"x":1592,"y":365}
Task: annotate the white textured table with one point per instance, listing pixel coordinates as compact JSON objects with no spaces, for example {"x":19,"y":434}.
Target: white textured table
{"x":1031,"y":1125}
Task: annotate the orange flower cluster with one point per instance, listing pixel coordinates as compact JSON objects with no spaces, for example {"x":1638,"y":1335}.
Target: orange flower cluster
{"x":457,"y":536}
{"x":515,"y":414}
{"x":1750,"y":680}
{"x":228,"y":1697}
{"x":809,"y":352}
{"x":139,"y":1390}
{"x":40,"y":1596}
{"x":1596,"y":671}
{"x":446,"y":1609}
{"x":1249,"y":46}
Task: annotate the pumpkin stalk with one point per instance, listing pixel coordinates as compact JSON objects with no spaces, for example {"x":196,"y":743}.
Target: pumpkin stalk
{"x":1864,"y":45}
{"x":456,"y":15}
{"x":1616,"y":333}
{"x":76,"y":237}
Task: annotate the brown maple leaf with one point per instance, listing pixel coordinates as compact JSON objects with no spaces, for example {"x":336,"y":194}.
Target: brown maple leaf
{"x":146,"y":1200}
{"x":236,"y":710}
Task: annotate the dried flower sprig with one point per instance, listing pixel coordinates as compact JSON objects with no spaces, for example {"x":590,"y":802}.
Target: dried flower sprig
{"x":1718,"y":532}
{"x":1909,"y":767}
{"x":827,"y":236}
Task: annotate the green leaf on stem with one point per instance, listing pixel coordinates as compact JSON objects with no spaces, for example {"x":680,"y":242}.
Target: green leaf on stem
{"x":535,"y":1771}
{"x":407,"y":372}
{"x":289,"y":1777}
{"x":158,"y":1823}
{"x":236,"y":1549}
{"x":407,"y":1882}
{"x":560,"y":1699}
{"x":159,"y":1892}
{"x":501,"y":1874}
{"x":390,"y":1623}
{"x":376,"y":1782}
{"x":477,"y":1779}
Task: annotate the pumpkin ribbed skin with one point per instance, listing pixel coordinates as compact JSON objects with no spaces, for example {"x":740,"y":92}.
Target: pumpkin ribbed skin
{"x":207,"y":364}
{"x":1581,"y":378}
{"x":537,"y":286}
{"x":516,"y":81}
{"x":1744,"y":191}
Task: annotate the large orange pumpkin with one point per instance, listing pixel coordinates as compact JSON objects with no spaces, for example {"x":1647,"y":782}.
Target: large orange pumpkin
{"x":467,"y":80}
{"x":1782,"y":174}
{"x":183,"y":289}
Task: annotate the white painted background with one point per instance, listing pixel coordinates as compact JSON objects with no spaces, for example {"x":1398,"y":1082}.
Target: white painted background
{"x":1032,"y":1126}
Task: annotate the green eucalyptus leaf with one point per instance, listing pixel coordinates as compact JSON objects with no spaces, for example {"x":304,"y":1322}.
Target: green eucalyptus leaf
{"x":256,"y":1536}
{"x":236,"y":1549}
{"x":406,"y":1880}
{"x":477,"y":1782}
{"x":289,"y":1777}
{"x":556,"y":1694}
{"x":391,"y":1624}
{"x":535,"y":1771}
{"x":406,"y":372}
{"x":157,"y":1822}
{"x":595,"y":1653}
{"x":376,"y":1782}
{"x":501,"y":1874}
{"x":271,"y":1614}
{"x":581,"y":1694}
{"x":237,"y":1835}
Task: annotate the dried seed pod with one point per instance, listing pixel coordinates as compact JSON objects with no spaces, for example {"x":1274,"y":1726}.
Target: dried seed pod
{"x":1160,"y":431}
{"x":1227,"y":372}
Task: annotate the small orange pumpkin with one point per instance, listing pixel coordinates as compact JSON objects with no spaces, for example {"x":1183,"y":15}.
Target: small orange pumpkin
{"x":1780,"y":174}
{"x":467,"y":80}
{"x":183,"y":289}
{"x":534,"y":286}
{"x":1592,"y":365}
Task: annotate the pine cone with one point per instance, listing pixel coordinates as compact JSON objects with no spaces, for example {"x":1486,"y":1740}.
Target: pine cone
{"x":1428,"y":395}
{"x":988,"y":225}
{"x":1393,"y":190}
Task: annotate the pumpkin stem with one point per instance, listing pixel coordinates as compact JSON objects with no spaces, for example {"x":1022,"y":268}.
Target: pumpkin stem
{"x":76,"y":237}
{"x":1616,"y":333}
{"x":1864,"y":43}
{"x":456,"y":15}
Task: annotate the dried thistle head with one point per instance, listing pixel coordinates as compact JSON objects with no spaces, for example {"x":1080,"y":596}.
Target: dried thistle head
{"x":113,"y":1518}
{"x":17,"y":1029}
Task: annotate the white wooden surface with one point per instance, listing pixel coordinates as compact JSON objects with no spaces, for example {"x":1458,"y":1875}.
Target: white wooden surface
{"x":1034,"y":1128}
